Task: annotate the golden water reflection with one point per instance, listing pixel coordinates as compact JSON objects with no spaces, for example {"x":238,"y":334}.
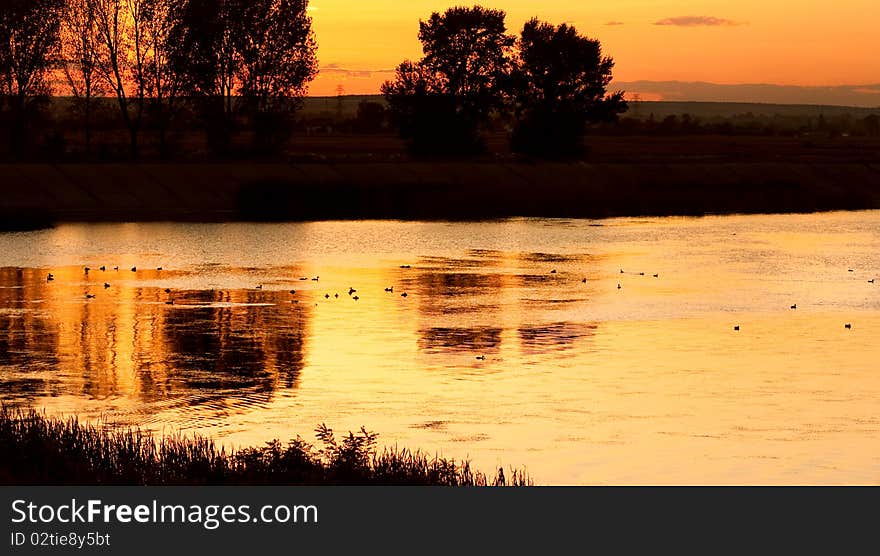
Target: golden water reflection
{"x":588,"y":353}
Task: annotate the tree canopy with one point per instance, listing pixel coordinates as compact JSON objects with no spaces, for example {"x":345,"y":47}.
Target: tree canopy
{"x":559,"y":84}
{"x":553,"y":80}
{"x":440,"y":102}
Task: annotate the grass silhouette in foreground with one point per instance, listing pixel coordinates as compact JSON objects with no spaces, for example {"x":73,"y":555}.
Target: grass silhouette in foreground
{"x":39,"y":450}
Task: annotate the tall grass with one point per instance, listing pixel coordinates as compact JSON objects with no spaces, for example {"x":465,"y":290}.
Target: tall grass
{"x":39,"y":450}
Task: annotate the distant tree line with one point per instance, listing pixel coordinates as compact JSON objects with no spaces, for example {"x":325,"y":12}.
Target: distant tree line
{"x":233,"y":73}
{"x":550,"y":81}
{"x":747,"y":124}
{"x":227,"y":59}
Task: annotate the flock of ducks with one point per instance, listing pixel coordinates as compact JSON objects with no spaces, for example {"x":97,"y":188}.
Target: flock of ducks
{"x":51,"y":277}
{"x":352,"y":291}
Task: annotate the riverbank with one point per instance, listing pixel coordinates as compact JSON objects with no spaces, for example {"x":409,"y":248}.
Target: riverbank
{"x":32,"y":195}
{"x":41,"y":450}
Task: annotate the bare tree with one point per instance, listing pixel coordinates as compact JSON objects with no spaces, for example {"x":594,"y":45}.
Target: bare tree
{"x":29,"y":31}
{"x":79,"y":57}
{"x":122,"y":59}
{"x":162,"y":82}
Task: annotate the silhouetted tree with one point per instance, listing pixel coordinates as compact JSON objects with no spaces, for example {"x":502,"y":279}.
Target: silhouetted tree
{"x":370,"y":117}
{"x":277,"y":51}
{"x":207,"y":60}
{"x":871,"y":124}
{"x":440,"y":102}
{"x":559,"y":85}
{"x":122,"y":48}
{"x":79,"y":57}
{"x":29,"y":31}
{"x":254,"y":56}
{"x":162,"y":82}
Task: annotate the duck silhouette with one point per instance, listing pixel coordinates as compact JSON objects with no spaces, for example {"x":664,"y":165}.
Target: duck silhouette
{"x":848,"y":326}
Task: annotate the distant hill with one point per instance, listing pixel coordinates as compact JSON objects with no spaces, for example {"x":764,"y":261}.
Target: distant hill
{"x":722,"y":110}
{"x":865,"y":96}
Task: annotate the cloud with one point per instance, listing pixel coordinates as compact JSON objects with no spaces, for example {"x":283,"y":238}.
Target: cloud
{"x":353,"y":73}
{"x":614,"y":23}
{"x":697,"y":21}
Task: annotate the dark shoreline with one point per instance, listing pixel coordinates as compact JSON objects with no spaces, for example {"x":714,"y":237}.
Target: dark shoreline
{"x":35,"y":195}
{"x":43,"y":450}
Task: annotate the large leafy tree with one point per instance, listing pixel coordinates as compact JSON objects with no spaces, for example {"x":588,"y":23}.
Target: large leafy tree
{"x":255,"y":56}
{"x":440,"y":102}
{"x":559,"y":85}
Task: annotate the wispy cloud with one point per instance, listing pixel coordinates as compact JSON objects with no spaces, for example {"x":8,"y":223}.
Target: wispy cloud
{"x":697,"y":21}
{"x":614,"y":23}
{"x":353,"y":73}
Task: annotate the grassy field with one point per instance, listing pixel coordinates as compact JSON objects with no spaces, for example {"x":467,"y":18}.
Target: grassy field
{"x":327,"y":171}
{"x":39,"y":450}
{"x":347,"y":106}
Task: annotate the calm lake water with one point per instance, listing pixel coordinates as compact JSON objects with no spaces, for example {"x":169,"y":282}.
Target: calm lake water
{"x":491,"y":356}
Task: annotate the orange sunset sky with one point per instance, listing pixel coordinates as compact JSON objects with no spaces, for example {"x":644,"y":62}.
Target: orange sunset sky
{"x":803,"y":42}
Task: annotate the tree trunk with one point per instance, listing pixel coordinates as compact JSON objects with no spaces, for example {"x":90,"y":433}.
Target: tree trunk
{"x":18,"y":138}
{"x":163,"y":145}
{"x":88,"y":126}
{"x":133,"y":146}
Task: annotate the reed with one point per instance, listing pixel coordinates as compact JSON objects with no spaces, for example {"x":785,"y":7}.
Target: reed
{"x":36,"y":449}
